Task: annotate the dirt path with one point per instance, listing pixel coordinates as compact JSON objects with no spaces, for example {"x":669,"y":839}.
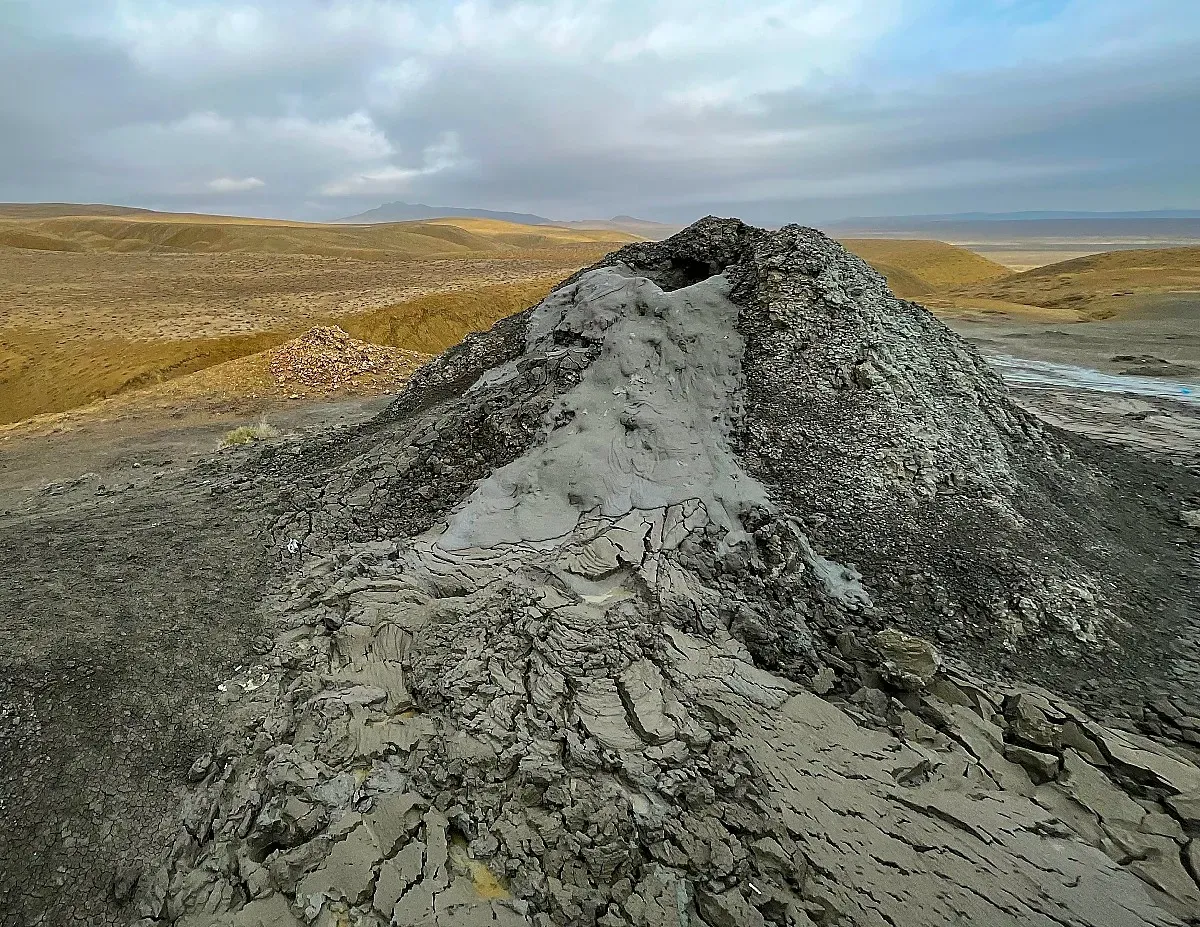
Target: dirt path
{"x":119,"y":614}
{"x":1156,"y":334}
{"x":94,"y":457}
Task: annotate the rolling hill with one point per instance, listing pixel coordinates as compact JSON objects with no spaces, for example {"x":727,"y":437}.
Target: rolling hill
{"x":642,"y":228}
{"x":1099,"y":285}
{"x":153,"y":233}
{"x":919,"y":268}
{"x":101,"y":305}
{"x":98,"y":305}
{"x":55,"y":210}
{"x":405,"y":212}
{"x":408,"y":212}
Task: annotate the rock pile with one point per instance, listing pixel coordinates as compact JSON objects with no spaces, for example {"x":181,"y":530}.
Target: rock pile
{"x":720,"y":588}
{"x":326,"y":359}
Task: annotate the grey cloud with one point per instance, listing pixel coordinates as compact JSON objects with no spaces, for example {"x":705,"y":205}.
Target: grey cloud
{"x":332,"y":108}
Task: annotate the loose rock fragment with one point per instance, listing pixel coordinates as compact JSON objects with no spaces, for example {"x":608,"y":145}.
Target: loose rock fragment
{"x":908,"y":662}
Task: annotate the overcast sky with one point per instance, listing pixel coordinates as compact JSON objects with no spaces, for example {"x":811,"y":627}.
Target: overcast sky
{"x":779,"y":110}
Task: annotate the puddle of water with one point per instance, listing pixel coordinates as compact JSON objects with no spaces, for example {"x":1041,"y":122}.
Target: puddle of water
{"x":1034,"y":374}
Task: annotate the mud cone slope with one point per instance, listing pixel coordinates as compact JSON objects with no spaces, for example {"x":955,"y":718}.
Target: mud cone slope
{"x":720,"y":588}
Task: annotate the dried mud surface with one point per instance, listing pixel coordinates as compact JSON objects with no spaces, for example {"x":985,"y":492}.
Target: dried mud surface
{"x":720,"y":588}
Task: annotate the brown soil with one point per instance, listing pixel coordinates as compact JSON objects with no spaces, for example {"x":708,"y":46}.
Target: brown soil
{"x":1100,"y":285}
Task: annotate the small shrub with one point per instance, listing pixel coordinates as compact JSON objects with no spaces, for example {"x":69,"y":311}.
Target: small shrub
{"x":248,"y":434}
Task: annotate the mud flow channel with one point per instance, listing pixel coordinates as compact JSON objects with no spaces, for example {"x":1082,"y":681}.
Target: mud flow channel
{"x":1023,"y":373}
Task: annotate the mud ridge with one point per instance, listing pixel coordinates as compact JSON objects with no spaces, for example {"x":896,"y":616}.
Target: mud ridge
{"x":720,"y":588}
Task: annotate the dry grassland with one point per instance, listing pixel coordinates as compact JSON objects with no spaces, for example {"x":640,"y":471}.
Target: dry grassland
{"x":915,"y":267}
{"x":1098,"y":285}
{"x":107,"y":317}
{"x":169,"y":309}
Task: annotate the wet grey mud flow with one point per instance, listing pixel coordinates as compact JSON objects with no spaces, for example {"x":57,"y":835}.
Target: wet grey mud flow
{"x":720,"y":588}
{"x":1023,"y":373}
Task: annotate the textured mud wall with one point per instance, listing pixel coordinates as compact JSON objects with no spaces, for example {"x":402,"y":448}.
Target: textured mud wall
{"x":674,"y":600}
{"x":646,"y":427}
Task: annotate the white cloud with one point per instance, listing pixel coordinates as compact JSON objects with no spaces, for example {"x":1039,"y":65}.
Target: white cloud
{"x":444,"y":155}
{"x":235,"y":184}
{"x":569,"y":107}
{"x":814,"y":34}
{"x":160,"y":36}
{"x":703,"y":96}
{"x":167,"y":156}
{"x":389,"y":86}
{"x":355,"y":137}
{"x":206,"y":123}
{"x":557,"y":27}
{"x":384,"y":180}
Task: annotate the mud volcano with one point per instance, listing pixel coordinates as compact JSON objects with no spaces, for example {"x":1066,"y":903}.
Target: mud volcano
{"x":720,"y":588}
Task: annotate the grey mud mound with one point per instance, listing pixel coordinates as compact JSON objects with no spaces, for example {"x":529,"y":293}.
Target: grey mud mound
{"x":721,"y":588}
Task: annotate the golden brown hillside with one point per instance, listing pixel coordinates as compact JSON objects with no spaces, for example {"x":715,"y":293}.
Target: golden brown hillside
{"x":1099,"y":285}
{"x":51,"y":210}
{"x":322,"y":363}
{"x":91,"y":344}
{"x":97,"y":305}
{"x":915,"y":267}
{"x":400,"y":241}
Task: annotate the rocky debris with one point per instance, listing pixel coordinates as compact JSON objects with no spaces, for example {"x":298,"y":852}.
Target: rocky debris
{"x":591,"y":674}
{"x":1169,"y":718}
{"x":326,"y":359}
{"x":716,"y":589}
{"x":689,"y":782}
{"x":907,"y":662}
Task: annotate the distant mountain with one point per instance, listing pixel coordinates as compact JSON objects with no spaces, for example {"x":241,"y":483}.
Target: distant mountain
{"x":1030,"y":215}
{"x":643,"y":228}
{"x":408,"y":212}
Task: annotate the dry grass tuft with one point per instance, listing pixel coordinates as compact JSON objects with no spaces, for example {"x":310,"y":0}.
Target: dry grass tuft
{"x":249,"y":434}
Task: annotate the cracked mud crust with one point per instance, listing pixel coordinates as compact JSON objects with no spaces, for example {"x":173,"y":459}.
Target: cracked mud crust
{"x":720,"y":588}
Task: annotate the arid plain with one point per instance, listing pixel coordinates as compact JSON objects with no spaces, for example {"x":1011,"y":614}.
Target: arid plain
{"x":182,"y":388}
{"x":132,"y":334}
{"x":98,"y":305}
